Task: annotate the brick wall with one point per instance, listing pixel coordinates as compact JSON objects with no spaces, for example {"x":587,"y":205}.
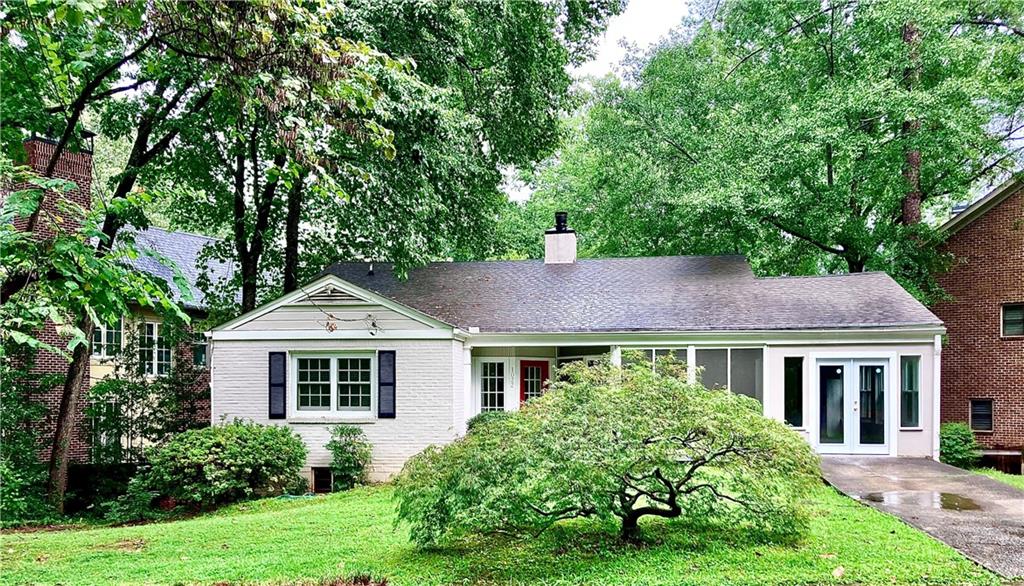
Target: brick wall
{"x":977,"y":363}
{"x":75,"y":167}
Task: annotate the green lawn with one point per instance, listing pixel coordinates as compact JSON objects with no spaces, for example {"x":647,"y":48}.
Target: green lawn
{"x":345,"y":534}
{"x":1014,"y":480}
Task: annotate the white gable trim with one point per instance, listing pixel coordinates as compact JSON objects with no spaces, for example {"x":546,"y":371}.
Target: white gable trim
{"x":334,"y":281}
{"x":983,"y":205}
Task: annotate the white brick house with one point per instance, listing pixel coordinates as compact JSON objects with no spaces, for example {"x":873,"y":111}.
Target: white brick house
{"x":850,"y":361}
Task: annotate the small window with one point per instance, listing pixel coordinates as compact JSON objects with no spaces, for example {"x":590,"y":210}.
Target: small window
{"x":1013,"y":319}
{"x":981,"y":414}
{"x":106,"y":340}
{"x":492,"y":386}
{"x":314,"y":384}
{"x":794,"y":390}
{"x":910,"y":391}
{"x":323,"y":480}
{"x":154,"y":350}
{"x":354,"y":384}
{"x":200,"y":351}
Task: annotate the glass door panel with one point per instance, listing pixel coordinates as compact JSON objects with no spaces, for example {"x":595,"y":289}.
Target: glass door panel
{"x":872,"y":404}
{"x":831,"y":401}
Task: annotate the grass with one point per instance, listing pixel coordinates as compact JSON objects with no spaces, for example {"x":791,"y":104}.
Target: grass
{"x":278,"y":540}
{"x":1014,"y":480}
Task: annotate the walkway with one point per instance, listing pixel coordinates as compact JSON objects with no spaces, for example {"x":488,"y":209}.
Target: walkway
{"x":980,"y":517}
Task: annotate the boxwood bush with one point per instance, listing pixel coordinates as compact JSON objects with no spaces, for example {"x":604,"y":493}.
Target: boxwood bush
{"x":957,"y":446}
{"x":204,"y":468}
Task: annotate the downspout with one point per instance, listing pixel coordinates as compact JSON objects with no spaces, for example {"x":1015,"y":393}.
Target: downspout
{"x":936,"y":394}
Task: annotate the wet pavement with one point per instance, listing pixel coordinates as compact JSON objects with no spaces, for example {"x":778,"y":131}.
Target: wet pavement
{"x":981,"y":517}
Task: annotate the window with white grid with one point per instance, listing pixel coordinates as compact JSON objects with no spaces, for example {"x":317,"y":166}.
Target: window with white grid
{"x":154,"y":350}
{"x":354,"y":384}
{"x":533,"y":381}
{"x":492,"y":386}
{"x":106,"y":340}
{"x":314,"y":384}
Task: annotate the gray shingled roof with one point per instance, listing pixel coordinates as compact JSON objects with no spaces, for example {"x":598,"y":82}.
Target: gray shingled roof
{"x":678,"y":293}
{"x":182,"y":248}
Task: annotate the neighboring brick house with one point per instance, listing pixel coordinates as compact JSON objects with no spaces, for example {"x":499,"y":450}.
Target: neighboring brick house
{"x":983,"y":361}
{"x":182,"y":248}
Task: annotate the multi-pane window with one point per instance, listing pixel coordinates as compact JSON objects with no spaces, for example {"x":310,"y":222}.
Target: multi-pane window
{"x":354,"y":384}
{"x":314,"y":384}
{"x":154,"y":350}
{"x":337,"y":384}
{"x":106,"y":340}
{"x":910,"y":391}
{"x":492,"y":386}
{"x":793,"y":367}
{"x":533,"y":382}
{"x":981,"y":414}
{"x":1013,"y":319}
{"x":200,"y":351}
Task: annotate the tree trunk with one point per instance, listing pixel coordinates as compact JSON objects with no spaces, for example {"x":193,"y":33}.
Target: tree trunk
{"x":630,"y":528}
{"x":855,"y":264}
{"x":911,"y":206}
{"x":70,"y":398}
{"x":291,"y":235}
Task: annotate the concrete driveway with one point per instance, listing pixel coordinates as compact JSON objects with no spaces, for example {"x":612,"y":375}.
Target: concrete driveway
{"x":980,"y":517}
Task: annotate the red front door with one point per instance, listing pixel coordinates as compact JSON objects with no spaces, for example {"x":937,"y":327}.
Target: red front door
{"x":533,"y":378}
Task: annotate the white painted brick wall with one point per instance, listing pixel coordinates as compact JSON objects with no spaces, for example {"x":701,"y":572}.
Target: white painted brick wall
{"x":428,"y":386}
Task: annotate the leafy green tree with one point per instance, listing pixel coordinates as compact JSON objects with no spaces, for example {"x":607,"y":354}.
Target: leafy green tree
{"x":474,"y":102}
{"x":613,"y":444}
{"x":810,"y":136}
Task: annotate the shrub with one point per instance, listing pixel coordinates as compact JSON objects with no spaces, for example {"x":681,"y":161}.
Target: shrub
{"x":481,"y":419}
{"x":350,"y":455}
{"x":22,"y":473}
{"x":613,"y":444}
{"x":957,"y":446}
{"x":207,"y":467}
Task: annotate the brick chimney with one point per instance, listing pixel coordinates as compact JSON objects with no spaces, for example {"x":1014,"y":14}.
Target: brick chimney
{"x":560,"y":242}
{"x":72,"y":166}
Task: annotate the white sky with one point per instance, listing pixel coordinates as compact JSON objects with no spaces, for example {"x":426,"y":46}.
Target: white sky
{"x":642,"y":23}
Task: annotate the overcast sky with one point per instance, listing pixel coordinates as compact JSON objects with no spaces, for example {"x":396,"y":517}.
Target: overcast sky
{"x":642,"y":23}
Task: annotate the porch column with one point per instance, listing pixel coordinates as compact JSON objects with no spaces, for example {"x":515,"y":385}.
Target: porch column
{"x":617,"y":356}
{"x":691,"y":364}
{"x":467,"y":388}
{"x":766,"y":380}
{"x":936,"y":391}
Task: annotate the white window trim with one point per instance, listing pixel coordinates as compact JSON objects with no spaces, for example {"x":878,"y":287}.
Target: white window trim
{"x":1002,"y":320}
{"x":104,"y":328}
{"x":920,"y":392}
{"x":333,"y":414}
{"x":157,"y":326}
{"x":511,"y":392}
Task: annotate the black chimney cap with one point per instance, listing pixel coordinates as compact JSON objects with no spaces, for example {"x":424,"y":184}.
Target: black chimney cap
{"x":561,"y":224}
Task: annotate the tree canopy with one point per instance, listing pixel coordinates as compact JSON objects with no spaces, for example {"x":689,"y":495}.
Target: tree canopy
{"x":812,"y":137}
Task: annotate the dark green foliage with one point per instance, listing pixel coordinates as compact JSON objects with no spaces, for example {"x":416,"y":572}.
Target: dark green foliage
{"x":22,"y":473}
{"x":481,"y":419}
{"x":205,"y":468}
{"x":350,"y":455}
{"x":614,"y":444}
{"x":957,"y":446}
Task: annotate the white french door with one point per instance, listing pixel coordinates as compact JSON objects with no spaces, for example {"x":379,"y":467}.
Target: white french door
{"x":853,"y":406}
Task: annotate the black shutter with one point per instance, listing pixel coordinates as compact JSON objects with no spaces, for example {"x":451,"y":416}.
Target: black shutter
{"x":386,"y":384}
{"x":278,"y":386}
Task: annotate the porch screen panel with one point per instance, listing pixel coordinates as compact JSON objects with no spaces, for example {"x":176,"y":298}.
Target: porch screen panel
{"x":747,"y":367}
{"x":716,"y":368}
